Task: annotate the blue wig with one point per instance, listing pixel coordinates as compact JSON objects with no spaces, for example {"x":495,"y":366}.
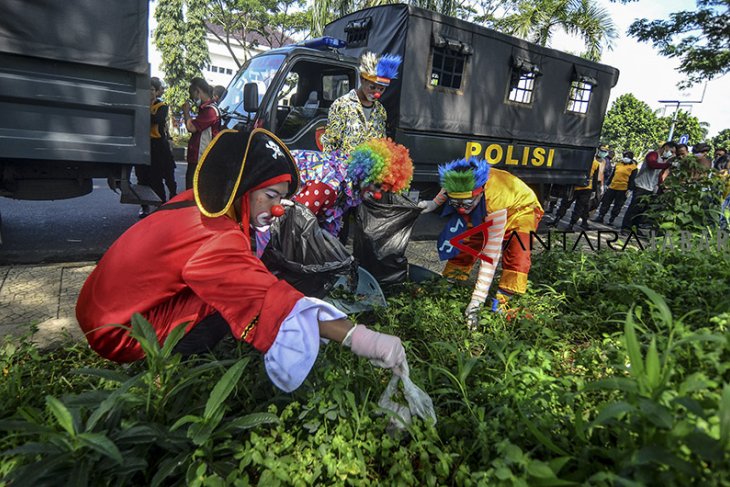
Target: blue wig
{"x":479,"y":169}
{"x":388,"y":66}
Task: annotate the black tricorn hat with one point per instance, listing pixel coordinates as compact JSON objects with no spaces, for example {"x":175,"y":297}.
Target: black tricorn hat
{"x":236,"y":162}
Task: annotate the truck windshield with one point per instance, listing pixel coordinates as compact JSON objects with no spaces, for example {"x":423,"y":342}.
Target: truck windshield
{"x":260,"y":70}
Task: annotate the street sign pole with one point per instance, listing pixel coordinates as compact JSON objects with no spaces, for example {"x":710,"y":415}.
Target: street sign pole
{"x":676,"y":109}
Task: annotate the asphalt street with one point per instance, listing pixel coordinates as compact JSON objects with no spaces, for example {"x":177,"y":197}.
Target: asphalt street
{"x":81,"y":229}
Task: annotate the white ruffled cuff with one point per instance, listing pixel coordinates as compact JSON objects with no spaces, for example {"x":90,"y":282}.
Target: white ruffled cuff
{"x":296,"y":346}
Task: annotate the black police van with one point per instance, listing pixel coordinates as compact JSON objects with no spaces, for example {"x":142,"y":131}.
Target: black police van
{"x":463,"y":89}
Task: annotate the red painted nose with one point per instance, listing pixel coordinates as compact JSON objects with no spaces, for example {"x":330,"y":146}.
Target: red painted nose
{"x":377,"y":96}
{"x":462,"y":211}
{"x":277,"y":210}
{"x":377,"y":195}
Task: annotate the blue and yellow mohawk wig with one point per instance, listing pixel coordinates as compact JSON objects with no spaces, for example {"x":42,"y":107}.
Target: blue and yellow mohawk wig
{"x":380,"y":70}
{"x":460,"y":178}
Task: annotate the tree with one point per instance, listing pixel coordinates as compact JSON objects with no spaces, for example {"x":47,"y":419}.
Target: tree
{"x":538,"y":20}
{"x":686,"y":123}
{"x":700,"y":39}
{"x":631,"y":124}
{"x":180,"y":37}
{"x":231,"y":22}
{"x":722,"y":140}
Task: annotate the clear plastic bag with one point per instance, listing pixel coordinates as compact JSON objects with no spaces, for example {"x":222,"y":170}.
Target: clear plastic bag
{"x":419,"y":403}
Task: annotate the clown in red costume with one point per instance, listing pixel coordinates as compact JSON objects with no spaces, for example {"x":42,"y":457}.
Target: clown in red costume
{"x":194,"y":261}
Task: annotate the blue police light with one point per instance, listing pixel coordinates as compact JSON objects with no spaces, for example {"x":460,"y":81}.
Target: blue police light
{"x":324,"y":43}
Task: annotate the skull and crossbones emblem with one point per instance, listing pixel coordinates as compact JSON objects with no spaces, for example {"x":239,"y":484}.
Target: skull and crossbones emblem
{"x":275,"y":149}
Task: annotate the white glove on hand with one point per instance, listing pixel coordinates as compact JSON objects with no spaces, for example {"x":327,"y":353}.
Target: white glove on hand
{"x":472,"y":314}
{"x":286,"y":203}
{"x":381,"y":349}
{"x":427,"y":206}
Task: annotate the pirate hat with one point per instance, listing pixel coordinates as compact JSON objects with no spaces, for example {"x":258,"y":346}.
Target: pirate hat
{"x":237,"y":162}
{"x":380,"y":70}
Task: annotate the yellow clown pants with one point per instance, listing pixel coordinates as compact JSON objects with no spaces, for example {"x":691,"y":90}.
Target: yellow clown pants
{"x":516,"y":259}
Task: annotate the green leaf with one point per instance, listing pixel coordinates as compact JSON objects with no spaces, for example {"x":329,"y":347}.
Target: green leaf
{"x":557,"y":464}
{"x":62,"y":414}
{"x":546,"y":442}
{"x":32,"y":449}
{"x":224,"y":387}
{"x":632,"y":347}
{"x":201,"y":432}
{"x":653,"y":368}
{"x":110,"y":375}
{"x":540,"y":470}
{"x":612,"y":411}
{"x":659,"y":304}
{"x":173,"y":338}
{"x":111,"y":402}
{"x":167,"y":467}
{"x":188,"y":418}
{"x":145,"y":334}
{"x":251,"y":421}
{"x":657,"y":414}
{"x":102,"y":444}
{"x":79,"y":474}
{"x":723,"y":411}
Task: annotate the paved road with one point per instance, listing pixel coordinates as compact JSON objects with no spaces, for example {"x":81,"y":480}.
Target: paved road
{"x":81,"y":229}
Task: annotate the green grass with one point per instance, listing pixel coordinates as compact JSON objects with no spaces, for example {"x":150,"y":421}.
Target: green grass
{"x":614,"y":372}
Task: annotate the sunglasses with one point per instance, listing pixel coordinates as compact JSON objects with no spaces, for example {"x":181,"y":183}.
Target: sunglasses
{"x":461,"y":203}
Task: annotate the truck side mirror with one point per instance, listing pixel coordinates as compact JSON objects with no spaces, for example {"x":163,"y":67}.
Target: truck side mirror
{"x":251,"y":97}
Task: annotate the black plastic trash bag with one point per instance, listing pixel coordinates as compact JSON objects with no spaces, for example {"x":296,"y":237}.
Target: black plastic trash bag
{"x":382,"y":231}
{"x":304,"y":255}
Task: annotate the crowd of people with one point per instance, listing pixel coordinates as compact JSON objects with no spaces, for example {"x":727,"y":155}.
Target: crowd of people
{"x":613,"y":182}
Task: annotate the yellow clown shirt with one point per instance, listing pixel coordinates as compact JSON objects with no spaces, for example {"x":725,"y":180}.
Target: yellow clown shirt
{"x":347,"y":125}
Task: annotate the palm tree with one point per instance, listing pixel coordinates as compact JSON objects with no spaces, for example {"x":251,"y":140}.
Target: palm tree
{"x":538,"y":20}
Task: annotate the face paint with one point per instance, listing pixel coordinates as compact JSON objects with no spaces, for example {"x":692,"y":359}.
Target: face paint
{"x":377,"y":195}
{"x":265,"y":205}
{"x":377,"y":96}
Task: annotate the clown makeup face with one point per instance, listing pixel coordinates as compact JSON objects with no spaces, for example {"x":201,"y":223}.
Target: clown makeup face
{"x":464,"y":206}
{"x":262,"y":201}
{"x":371,"y":91}
{"x":375,"y":190}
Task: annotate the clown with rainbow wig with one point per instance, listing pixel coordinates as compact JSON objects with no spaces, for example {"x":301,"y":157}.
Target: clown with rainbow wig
{"x":477,"y":193}
{"x":332,"y":183}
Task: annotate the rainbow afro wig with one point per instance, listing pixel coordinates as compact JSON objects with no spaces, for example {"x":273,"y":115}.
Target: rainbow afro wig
{"x":459,"y":178}
{"x":381,"y":162}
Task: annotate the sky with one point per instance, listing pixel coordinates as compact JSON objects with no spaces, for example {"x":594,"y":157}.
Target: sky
{"x":650,"y":76}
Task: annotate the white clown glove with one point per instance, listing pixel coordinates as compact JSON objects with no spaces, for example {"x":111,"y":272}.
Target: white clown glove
{"x":286,"y":203}
{"x":427,"y":206}
{"x":381,"y":349}
{"x":472,"y":314}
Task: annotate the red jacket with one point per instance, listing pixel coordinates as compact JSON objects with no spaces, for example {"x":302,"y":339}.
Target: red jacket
{"x":175,"y":266}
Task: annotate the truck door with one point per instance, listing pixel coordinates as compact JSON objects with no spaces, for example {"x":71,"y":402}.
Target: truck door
{"x":303,"y":99}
